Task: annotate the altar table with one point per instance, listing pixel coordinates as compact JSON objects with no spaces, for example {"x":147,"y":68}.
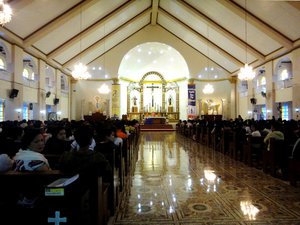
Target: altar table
{"x":155,"y":120}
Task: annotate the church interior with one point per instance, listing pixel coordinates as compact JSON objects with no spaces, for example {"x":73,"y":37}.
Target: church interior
{"x":184,"y":71}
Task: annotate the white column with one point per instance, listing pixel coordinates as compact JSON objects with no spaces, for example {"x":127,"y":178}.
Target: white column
{"x":233,"y":98}
{"x":17,"y":83}
{"x":296,"y":83}
{"x":270,"y":92}
{"x":41,"y":106}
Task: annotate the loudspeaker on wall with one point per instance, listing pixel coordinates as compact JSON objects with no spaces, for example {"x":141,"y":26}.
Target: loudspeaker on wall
{"x":253,"y":101}
{"x":48,"y":94}
{"x":56,"y":101}
{"x":13,"y":93}
{"x":30,"y":106}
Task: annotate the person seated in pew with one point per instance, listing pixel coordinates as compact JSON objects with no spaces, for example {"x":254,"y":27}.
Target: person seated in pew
{"x":6,"y":163}
{"x":106,"y":138}
{"x":75,"y":146}
{"x":107,"y":146}
{"x":84,"y":160}
{"x":255,"y":130}
{"x":296,"y":148}
{"x":10,"y":139}
{"x":117,"y":140}
{"x":120,"y":131}
{"x":275,"y":133}
{"x":57,"y":143}
{"x":29,"y":157}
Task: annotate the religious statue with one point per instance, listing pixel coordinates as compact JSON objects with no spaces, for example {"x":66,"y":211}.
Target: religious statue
{"x":170,"y":100}
{"x":134,"y":100}
{"x":97,"y":98}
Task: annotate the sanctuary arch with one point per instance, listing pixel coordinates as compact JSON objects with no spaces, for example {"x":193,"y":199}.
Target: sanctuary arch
{"x":152,"y":96}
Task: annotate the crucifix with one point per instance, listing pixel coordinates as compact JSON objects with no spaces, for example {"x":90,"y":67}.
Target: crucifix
{"x":152,"y":93}
{"x":57,"y":219}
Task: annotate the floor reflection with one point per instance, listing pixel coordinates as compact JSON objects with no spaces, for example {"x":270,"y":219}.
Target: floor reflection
{"x":178,"y":181}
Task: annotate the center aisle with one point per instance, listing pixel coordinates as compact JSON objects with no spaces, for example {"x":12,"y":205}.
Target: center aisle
{"x":180,"y":182}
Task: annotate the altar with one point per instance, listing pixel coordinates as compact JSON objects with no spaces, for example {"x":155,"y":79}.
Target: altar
{"x":155,"y":120}
{"x":152,"y":100}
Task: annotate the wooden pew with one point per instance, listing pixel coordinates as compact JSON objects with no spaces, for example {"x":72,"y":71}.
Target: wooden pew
{"x":294,"y":171}
{"x":14,"y":184}
{"x":253,"y":149}
{"x":113,"y":190}
{"x":274,"y":159}
{"x":232,"y":144}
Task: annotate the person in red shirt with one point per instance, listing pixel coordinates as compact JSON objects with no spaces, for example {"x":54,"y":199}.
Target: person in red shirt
{"x":120,"y":131}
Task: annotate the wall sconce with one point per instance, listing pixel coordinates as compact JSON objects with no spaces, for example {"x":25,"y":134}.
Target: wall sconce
{"x":59,"y":114}
{"x":297,"y":112}
{"x":269,"y":113}
{"x":43,"y":113}
{"x":19,"y":113}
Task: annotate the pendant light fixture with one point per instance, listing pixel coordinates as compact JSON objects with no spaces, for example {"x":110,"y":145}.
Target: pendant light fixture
{"x":246,"y":72}
{"x":208,"y":88}
{"x":5,"y":13}
{"x":80,"y":70}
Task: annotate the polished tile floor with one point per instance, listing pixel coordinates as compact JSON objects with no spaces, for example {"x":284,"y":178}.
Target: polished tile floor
{"x":180,"y":182}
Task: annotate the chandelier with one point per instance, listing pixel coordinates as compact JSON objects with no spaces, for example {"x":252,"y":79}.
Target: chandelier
{"x":5,"y":13}
{"x":208,"y":89}
{"x":80,"y":70}
{"x":246,"y":72}
{"x":103,"y":89}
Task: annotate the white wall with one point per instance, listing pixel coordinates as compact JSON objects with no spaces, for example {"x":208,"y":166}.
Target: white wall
{"x":84,"y":98}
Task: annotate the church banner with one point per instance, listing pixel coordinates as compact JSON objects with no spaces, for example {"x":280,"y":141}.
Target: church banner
{"x":115,"y":100}
{"x":191,"y":100}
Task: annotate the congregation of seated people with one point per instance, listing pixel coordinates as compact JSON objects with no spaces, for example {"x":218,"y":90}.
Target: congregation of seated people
{"x":232,"y":135}
{"x":85,"y":148}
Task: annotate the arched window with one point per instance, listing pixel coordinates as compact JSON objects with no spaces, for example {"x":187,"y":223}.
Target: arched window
{"x":263,"y":80}
{"x":50,"y":80}
{"x":284,"y":75}
{"x":62,"y":83}
{"x":25,"y":111}
{"x":28,"y":72}
{"x":1,"y":110}
{"x":3,"y":63}
{"x":260,"y":81}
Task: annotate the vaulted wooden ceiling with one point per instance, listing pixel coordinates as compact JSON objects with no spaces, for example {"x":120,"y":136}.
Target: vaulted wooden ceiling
{"x":62,"y":32}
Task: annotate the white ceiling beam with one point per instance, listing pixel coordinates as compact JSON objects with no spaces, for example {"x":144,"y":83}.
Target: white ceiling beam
{"x":222,"y":31}
{"x":154,"y":12}
{"x":102,"y":41}
{"x":272,"y":33}
{"x":63,"y":47}
{"x":203,"y":39}
{"x":18,"y":4}
{"x":57,"y":22}
{"x":295,"y":4}
{"x":10,"y":36}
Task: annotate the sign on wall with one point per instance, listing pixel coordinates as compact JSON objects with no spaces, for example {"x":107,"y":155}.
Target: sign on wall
{"x":191,"y":101}
{"x":115,"y":100}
